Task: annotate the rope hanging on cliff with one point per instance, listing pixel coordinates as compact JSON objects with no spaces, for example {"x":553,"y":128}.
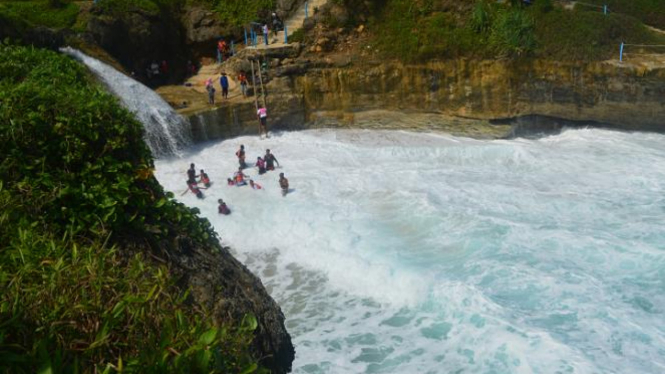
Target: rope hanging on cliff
{"x":263,"y":89}
{"x":644,"y":45}
{"x":256,"y":98}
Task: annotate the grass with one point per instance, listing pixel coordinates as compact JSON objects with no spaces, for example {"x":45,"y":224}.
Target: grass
{"x":41,"y":13}
{"x":76,"y":193}
{"x":651,"y":12}
{"x":588,"y":35}
{"x":236,"y":13}
{"x":416,"y":31}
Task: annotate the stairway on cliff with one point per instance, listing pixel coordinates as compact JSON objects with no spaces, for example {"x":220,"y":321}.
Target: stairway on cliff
{"x":192,"y":96}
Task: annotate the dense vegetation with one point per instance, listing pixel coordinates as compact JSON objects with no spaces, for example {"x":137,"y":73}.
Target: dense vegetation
{"x":49,"y":13}
{"x":231,"y":12}
{"x":240,"y":12}
{"x":417,"y":30}
{"x":76,"y":195}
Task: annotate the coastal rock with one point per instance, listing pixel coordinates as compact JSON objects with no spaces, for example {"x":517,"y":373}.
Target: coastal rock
{"x":201,"y":26}
{"x":228,"y":290}
{"x":333,"y":92}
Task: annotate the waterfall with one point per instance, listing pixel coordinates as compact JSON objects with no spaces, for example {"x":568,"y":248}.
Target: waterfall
{"x":166,"y":132}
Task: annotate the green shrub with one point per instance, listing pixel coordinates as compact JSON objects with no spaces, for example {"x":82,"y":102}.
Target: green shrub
{"x":41,"y":12}
{"x":481,"y":17}
{"x":297,"y":36}
{"x":513,"y":33}
{"x":70,"y":307}
{"x":236,"y":13}
{"x":76,"y":191}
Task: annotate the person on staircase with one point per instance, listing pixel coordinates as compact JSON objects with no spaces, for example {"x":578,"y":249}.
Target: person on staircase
{"x":242,"y":78}
{"x":265,"y":33}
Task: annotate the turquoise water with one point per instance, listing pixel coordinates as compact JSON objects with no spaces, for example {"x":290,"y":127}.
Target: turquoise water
{"x":422,"y":253}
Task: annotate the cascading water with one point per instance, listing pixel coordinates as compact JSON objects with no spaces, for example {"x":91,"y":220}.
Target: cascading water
{"x":421,"y":253}
{"x":166,"y":132}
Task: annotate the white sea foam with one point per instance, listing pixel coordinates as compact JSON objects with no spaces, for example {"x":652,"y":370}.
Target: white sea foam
{"x":421,"y":253}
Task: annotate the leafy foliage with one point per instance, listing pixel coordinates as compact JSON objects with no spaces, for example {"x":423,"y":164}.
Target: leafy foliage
{"x":235,"y":13}
{"x":69,"y":307}
{"x":152,"y":7}
{"x":76,"y":185}
{"x":512,"y":33}
{"x":88,"y":173}
{"x":47,"y":13}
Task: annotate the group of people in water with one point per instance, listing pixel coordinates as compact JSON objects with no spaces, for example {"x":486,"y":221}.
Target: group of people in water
{"x":201,"y":181}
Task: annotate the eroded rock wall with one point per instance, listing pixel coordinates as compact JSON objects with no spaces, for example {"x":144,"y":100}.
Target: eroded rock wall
{"x":626,"y":97}
{"x":464,"y":97}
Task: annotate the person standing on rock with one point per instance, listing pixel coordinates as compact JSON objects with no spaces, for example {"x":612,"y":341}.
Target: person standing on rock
{"x":211,"y":94}
{"x":262,"y":113}
{"x":224,"y":82}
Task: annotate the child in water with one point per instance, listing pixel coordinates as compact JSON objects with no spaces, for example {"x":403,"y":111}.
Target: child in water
{"x":196,"y":190}
{"x":261,"y":165}
{"x":239,"y":178}
{"x":223,"y":208}
{"x":204,"y":178}
{"x":284,"y":184}
{"x":255,"y":186}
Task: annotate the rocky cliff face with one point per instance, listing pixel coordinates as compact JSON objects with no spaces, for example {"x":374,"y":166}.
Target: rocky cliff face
{"x":228,"y":291}
{"x":627,"y":97}
{"x":324,"y":93}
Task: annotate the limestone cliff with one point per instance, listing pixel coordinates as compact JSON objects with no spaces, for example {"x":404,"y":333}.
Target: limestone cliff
{"x":304,"y":93}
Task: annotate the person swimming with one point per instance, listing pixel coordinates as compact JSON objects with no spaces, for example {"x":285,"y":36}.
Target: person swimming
{"x":270,"y":160}
{"x":223,"y":208}
{"x":239,"y":178}
{"x":261,"y":165}
{"x":254,"y":185}
{"x":196,"y":190}
{"x":283,"y":184}
{"x":204,"y":178}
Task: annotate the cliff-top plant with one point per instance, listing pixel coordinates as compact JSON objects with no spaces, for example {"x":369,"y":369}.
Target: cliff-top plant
{"x":420,"y":30}
{"x":79,"y":211}
{"x":49,"y":13}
